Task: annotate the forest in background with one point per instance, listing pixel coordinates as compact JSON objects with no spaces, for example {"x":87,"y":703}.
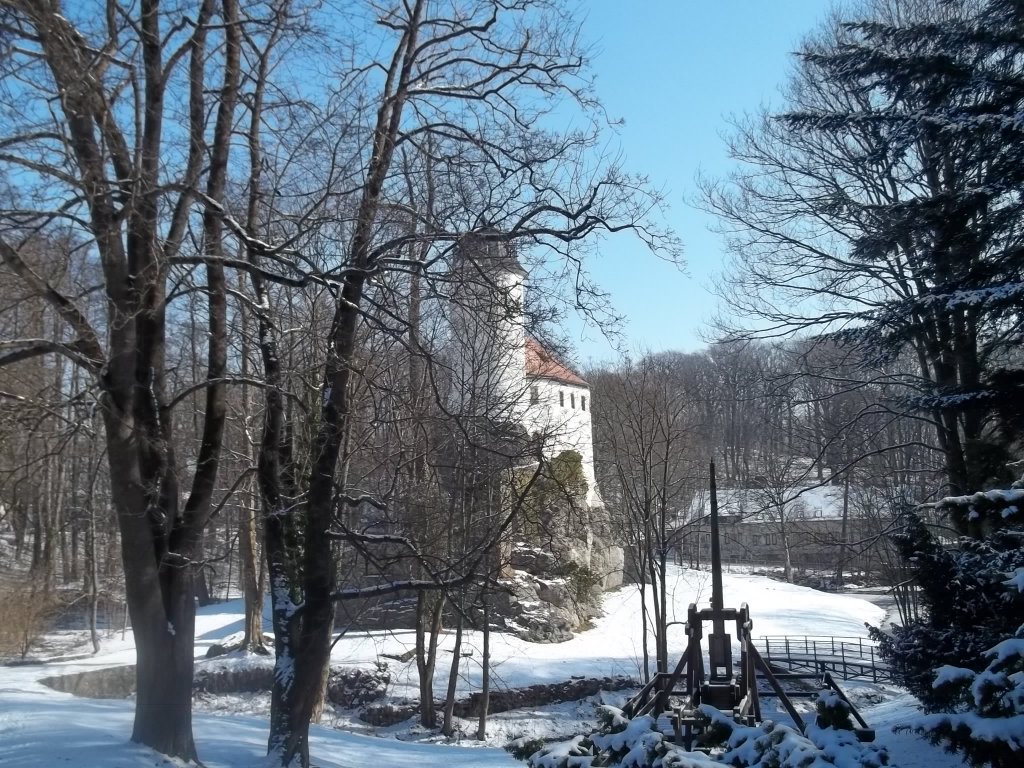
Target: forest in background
{"x":232,"y":272}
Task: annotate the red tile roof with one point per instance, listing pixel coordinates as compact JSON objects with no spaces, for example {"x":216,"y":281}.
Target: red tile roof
{"x":542,"y":364}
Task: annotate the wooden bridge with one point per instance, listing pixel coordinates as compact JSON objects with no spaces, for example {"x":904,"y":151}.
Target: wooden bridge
{"x":847,"y":658}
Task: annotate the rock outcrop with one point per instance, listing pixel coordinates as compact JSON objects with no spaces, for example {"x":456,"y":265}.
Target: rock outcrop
{"x":549,"y":593}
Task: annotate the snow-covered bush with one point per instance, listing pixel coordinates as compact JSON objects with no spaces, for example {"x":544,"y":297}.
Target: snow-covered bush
{"x":833,"y":711}
{"x":964,"y":659}
{"x":989,"y":730}
{"x":773,"y":745}
{"x":577,"y":752}
{"x":637,"y":743}
{"x":966,"y":607}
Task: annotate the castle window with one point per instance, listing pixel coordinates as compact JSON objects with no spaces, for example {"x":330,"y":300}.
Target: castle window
{"x":534,"y":394}
{"x":561,"y":399}
{"x":583,"y":402}
{"x":572,"y":400}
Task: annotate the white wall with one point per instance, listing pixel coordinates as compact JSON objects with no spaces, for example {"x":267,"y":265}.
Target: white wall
{"x":567,"y":425}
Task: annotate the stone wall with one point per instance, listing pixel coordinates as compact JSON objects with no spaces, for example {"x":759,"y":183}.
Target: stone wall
{"x":541,"y":695}
{"x":504,"y":700}
{"x":112,"y":683}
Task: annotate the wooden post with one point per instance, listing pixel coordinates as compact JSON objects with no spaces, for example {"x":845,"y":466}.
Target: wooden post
{"x":717,"y":600}
{"x":780,"y":692}
{"x":719,"y":643}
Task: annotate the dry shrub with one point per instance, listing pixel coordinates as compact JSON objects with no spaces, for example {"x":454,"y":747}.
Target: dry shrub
{"x":27,"y":611}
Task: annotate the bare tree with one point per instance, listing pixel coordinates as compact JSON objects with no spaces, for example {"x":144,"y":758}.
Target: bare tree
{"x":469,"y":85}
{"x":92,"y":144}
{"x":344,"y":223}
{"x":645,"y":430}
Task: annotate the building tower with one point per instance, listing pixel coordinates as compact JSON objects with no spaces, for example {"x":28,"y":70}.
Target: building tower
{"x":488,"y":333}
{"x":503,"y":372}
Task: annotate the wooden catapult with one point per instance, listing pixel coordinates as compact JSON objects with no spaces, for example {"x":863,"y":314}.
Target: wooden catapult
{"x":728,"y":687}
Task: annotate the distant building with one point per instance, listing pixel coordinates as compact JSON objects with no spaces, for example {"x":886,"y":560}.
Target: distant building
{"x":753,"y":527}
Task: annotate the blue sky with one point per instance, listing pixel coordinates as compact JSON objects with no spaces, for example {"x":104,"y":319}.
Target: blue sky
{"x":674,"y":70}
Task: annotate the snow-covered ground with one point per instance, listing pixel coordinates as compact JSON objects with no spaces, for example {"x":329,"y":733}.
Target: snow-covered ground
{"x":613,"y":646}
{"x":41,"y":728}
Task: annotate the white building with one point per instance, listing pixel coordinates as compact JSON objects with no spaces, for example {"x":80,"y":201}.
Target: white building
{"x":507,"y":374}
{"x":557,"y":404}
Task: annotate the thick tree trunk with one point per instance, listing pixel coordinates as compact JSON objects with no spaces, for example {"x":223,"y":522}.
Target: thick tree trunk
{"x":164,"y":668}
{"x":160,"y":603}
{"x":321,"y":692}
{"x":298,"y":679}
{"x":289,"y":736}
{"x":300,"y":654}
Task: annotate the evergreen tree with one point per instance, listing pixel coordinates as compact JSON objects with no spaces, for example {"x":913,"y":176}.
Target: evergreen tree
{"x":950,"y":76}
{"x":973,"y":641}
{"x":967,"y":609}
{"x":958,"y":72}
{"x":990,"y":732}
{"x":883,"y":207}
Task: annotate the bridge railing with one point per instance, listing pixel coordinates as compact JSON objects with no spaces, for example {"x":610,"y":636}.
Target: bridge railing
{"x":847,"y":657}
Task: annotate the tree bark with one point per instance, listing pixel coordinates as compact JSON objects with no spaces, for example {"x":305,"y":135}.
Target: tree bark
{"x":485,"y":675}
{"x":428,"y":629}
{"x":250,"y":563}
{"x":453,"y":679}
{"x":252,"y":579}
